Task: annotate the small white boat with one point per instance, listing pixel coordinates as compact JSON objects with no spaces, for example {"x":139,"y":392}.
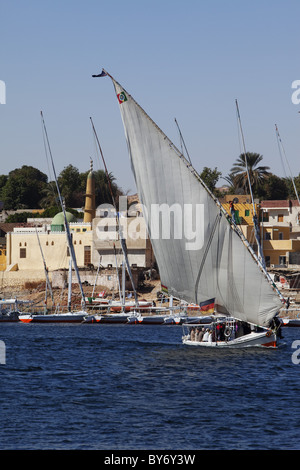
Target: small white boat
{"x":10,"y":309}
{"x":69,"y":317}
{"x":99,"y":300}
{"x":228,"y":333}
{"x":151,"y":316}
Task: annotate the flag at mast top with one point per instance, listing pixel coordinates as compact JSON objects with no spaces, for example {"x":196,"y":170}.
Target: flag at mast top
{"x":102,"y":74}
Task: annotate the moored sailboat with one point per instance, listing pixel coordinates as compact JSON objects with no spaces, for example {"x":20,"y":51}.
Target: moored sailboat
{"x":213,"y":261}
{"x":70,"y":316}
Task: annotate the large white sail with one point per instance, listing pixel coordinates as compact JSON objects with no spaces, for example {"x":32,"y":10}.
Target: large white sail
{"x":199,"y":255}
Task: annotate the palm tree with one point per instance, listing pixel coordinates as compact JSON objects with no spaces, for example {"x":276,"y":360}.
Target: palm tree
{"x":257,"y":174}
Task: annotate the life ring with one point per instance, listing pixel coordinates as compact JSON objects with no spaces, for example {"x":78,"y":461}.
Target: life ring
{"x":227,"y":331}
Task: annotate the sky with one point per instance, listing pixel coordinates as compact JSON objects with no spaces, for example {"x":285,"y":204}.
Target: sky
{"x":186,"y":60}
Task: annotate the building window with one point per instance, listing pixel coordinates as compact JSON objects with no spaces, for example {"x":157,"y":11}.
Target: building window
{"x":282,"y":260}
{"x":87,"y":255}
{"x":247,"y":213}
{"x":280,"y":217}
{"x":265,"y":216}
{"x":267,"y":260}
{"x":22,"y":252}
{"x":268,"y":236}
{"x":280,"y":236}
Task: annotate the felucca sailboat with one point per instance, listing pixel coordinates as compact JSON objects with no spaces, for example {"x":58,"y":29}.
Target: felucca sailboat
{"x":202,"y":256}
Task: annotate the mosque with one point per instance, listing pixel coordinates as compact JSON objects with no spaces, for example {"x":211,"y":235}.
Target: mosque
{"x":95,"y":239}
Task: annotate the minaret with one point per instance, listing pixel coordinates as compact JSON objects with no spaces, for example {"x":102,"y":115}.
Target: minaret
{"x":90,"y":209}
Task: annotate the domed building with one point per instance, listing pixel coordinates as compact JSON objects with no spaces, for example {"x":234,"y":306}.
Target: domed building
{"x":24,"y":247}
{"x":58,"y":221}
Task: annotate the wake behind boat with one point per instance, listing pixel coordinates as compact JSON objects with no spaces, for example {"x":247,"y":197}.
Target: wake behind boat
{"x":212,"y":263}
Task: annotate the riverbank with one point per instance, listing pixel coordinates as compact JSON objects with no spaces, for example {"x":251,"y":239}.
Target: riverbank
{"x":35,"y":293}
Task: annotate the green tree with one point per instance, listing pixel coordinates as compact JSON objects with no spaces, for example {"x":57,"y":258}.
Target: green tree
{"x":274,"y":188}
{"x":290,"y":186}
{"x":23,"y":188}
{"x":19,"y":217}
{"x":103,"y":188}
{"x":257,"y":174}
{"x":231,"y":184}
{"x":69,"y":183}
{"x":210,"y":177}
{"x":50,"y":196}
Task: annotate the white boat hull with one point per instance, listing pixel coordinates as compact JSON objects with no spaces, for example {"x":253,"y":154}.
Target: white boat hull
{"x":264,"y":339}
{"x":106,"y":318}
{"x":54,"y":318}
{"x":291,"y":322}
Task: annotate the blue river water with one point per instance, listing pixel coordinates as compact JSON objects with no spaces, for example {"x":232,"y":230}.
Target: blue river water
{"x":95,"y":387}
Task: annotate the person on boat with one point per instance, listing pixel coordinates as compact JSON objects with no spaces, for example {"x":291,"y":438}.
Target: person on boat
{"x":200,"y":335}
{"x":239,"y":330}
{"x":232,"y":211}
{"x":210,"y":336}
{"x":193,"y":334}
{"x":220,"y":332}
{"x":206,"y":335}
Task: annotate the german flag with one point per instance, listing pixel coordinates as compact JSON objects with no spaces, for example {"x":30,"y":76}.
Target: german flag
{"x":208,"y":306}
{"x":164,"y":289}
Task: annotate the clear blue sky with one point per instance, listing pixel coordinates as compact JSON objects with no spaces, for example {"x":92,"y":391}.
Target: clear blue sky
{"x":187,"y":60}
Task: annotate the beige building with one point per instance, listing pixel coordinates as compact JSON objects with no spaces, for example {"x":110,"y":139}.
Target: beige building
{"x":280,"y":233}
{"x":96,"y":239}
{"x":26,"y":246}
{"x":243,"y":214}
{"x":107,"y":230}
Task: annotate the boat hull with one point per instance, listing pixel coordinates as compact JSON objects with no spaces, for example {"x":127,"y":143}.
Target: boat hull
{"x":106,"y":318}
{"x":54,"y":318}
{"x":265,"y":339}
{"x":290,"y":322}
{"x":9,"y":318}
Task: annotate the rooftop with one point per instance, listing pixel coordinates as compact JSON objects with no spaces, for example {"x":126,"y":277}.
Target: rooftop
{"x":280,"y":204}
